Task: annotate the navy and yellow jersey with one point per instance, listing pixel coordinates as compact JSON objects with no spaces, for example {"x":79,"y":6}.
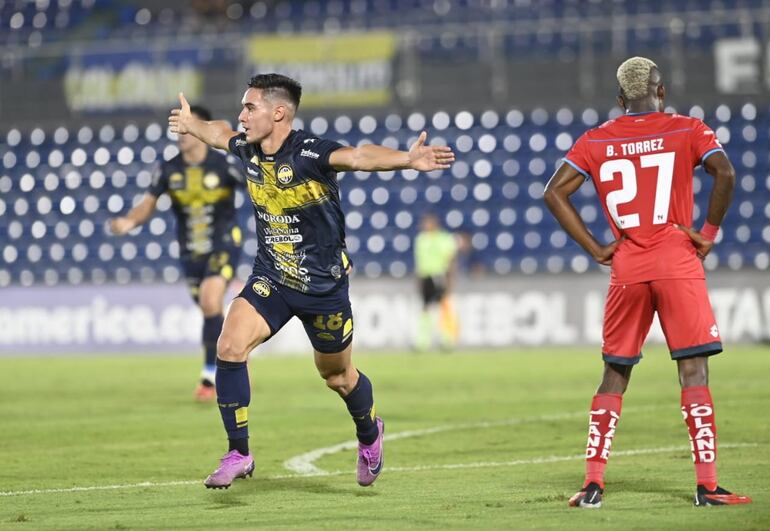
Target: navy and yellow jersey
{"x":300,"y":225}
{"x":203,"y":202}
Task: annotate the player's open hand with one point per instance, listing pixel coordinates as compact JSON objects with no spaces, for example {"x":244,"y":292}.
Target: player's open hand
{"x":606,"y":252}
{"x":702,"y":245}
{"x":122,"y":225}
{"x":179,"y":119}
{"x":429,"y":158}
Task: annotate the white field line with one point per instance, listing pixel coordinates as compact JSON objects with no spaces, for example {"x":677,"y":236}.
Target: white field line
{"x":304,"y":463}
{"x":490,"y":464}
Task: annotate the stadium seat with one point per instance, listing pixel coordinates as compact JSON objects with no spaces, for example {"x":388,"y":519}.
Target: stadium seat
{"x":60,"y":186}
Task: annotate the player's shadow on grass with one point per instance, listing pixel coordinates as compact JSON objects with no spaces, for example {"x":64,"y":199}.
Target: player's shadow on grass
{"x":268,"y":487}
{"x":651,"y":487}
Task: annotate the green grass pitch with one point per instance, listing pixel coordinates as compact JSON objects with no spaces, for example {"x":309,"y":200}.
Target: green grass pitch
{"x":480,"y":440}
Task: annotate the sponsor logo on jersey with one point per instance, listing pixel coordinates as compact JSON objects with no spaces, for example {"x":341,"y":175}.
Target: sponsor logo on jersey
{"x":261,"y":288}
{"x":308,"y":153}
{"x":336,"y":271}
{"x":253,"y":172}
{"x":211,"y":180}
{"x":239,"y":142}
{"x":714,"y":331}
{"x":271,"y":218}
{"x":326,"y":336}
{"x":284,"y":174}
{"x":293,"y":238}
{"x":308,"y":141}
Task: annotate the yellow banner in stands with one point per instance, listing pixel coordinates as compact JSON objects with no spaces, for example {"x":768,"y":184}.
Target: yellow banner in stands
{"x":352,"y":69}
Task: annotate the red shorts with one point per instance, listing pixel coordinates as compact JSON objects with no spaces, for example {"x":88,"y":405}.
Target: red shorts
{"x":684,"y":311}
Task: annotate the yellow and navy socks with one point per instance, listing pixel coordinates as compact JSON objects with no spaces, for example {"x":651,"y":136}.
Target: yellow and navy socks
{"x":233,"y":397}
{"x":360,"y":403}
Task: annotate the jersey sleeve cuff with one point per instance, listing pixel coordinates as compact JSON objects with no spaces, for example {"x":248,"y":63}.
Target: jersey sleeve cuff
{"x":578,"y":168}
{"x":710,"y":152}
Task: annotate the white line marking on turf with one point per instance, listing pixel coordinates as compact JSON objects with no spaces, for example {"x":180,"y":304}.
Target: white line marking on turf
{"x":304,"y":463}
{"x":100,"y":487}
{"x":490,"y":464}
{"x":516,"y":462}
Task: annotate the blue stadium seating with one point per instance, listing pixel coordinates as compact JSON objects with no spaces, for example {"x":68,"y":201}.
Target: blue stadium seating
{"x":543,"y":26}
{"x":59,"y":187}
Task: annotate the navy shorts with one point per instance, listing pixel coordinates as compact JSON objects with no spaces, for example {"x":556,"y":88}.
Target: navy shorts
{"x":220,"y":262}
{"x":327,"y":318}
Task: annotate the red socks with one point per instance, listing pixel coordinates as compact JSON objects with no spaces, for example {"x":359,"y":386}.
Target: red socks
{"x":698,"y":412}
{"x":605,"y":413}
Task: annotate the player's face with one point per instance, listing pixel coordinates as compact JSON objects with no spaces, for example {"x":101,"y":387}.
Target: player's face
{"x":257,"y":116}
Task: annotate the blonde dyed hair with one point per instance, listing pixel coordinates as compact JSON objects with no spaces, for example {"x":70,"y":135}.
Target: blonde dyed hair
{"x":634,"y":77}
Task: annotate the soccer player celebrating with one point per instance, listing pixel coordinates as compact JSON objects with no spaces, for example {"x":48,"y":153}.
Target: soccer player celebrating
{"x":642,"y":167}
{"x":301,"y":265}
{"x":201,"y":184}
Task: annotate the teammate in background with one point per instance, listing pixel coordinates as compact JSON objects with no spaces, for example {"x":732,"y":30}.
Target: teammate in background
{"x":201,"y":184}
{"x":435,"y":262}
{"x":301,"y":264}
{"x":642,"y":167}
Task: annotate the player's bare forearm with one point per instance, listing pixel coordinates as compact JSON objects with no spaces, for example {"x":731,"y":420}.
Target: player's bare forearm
{"x":216,"y":133}
{"x":569,"y":219}
{"x":560,"y":187}
{"x":370,"y":157}
{"x":719,"y":167}
{"x":380,"y":158}
{"x":135,"y":217}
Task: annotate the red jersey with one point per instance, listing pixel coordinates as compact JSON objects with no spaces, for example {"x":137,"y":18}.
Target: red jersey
{"x":642,"y":168}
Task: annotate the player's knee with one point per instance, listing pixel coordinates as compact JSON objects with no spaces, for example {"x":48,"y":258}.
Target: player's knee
{"x":210,"y":307}
{"x":336,"y":380}
{"x":693,"y":372}
{"x":228,"y":349}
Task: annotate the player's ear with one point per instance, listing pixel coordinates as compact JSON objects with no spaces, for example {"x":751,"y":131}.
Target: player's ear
{"x":621,"y":101}
{"x":279,"y":112}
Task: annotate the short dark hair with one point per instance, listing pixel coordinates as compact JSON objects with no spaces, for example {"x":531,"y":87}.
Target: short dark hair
{"x":278,"y":85}
{"x":201,"y":112}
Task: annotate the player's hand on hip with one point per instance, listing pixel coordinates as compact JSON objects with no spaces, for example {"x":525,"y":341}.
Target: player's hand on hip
{"x":179,"y":119}
{"x":120,"y":226}
{"x":428,"y":158}
{"x":702,"y":245}
{"x":606,"y":252}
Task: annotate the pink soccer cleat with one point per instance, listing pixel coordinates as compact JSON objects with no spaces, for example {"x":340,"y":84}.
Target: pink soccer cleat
{"x":370,"y":458}
{"x":231,"y":467}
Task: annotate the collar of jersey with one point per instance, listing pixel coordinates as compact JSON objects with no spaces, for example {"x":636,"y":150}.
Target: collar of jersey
{"x":639,"y":113}
{"x":284,"y":144}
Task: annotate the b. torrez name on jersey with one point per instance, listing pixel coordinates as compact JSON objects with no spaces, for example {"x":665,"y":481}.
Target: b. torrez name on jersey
{"x":271,"y":218}
{"x":636,"y":148}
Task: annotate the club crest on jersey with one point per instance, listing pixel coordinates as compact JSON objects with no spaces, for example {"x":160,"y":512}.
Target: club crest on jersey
{"x":176,"y":181}
{"x":284,"y":174}
{"x":261,"y":288}
{"x":211,"y":180}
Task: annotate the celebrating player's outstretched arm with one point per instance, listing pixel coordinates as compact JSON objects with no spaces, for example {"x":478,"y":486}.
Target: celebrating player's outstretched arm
{"x":371,"y":157}
{"x":215,"y":133}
